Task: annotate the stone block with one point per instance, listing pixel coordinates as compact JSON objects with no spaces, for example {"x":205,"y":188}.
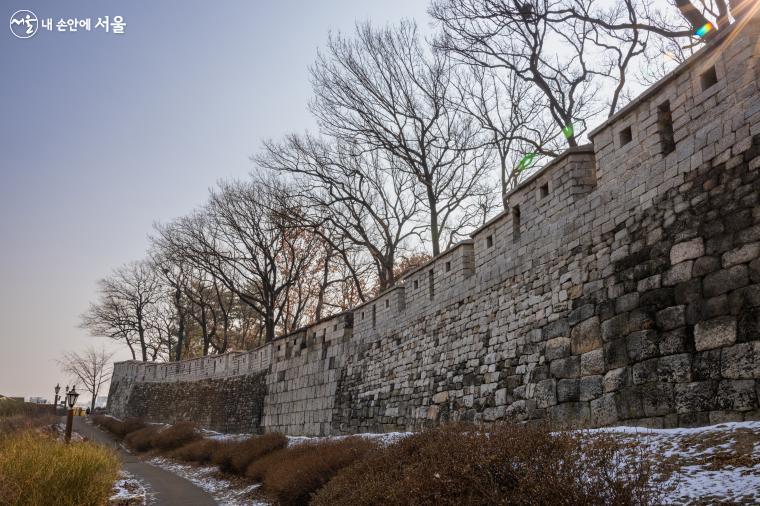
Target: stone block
{"x":678,"y":273}
{"x":741,"y":255}
{"x":545,"y":394}
{"x":559,"y":347}
{"x":568,"y":390}
{"x":592,"y":362}
{"x":590,"y":387}
{"x":695,"y":396}
{"x":569,"y":367}
{"x":644,"y":372}
{"x":741,"y":361}
{"x":705,"y":265}
{"x":579,"y":314}
{"x":570,"y":414}
{"x":671,"y":317}
{"x":706,"y":365}
{"x":642,"y":345}
{"x":615,"y":327}
{"x":586,"y":336}
{"x":556,"y":328}
{"x":603,"y":410}
{"x":688,"y":292}
{"x":676,"y":341}
{"x":674,"y":368}
{"x":441,"y":397}
{"x":688,"y":250}
{"x":615,"y":379}
{"x":715,"y":333}
{"x":616,"y":353}
{"x":725,"y":280}
{"x":736,"y":395}
{"x":657,"y":399}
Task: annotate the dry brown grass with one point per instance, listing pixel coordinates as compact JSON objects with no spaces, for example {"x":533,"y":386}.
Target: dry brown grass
{"x":174,"y":436}
{"x":509,"y":464}
{"x":199,"y":452}
{"x":235,"y":457}
{"x":292,"y":475}
{"x":142,"y":440}
{"x":17,"y":416}
{"x":38,"y":470}
{"x":117,"y":427}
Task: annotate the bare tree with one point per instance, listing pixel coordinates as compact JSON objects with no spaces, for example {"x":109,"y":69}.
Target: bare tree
{"x":511,"y":114}
{"x":121,"y":312}
{"x":91,"y":368}
{"x":362,"y":199}
{"x":243,"y":239}
{"x":383,"y":90}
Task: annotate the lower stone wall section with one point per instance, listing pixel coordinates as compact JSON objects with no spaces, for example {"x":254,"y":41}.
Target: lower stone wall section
{"x":233,"y":404}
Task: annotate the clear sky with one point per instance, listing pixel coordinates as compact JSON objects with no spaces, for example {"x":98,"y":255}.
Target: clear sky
{"x":103,"y":134}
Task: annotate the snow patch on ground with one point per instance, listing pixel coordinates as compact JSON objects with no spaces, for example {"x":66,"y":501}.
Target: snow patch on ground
{"x":225,"y":492}
{"x":129,"y":491}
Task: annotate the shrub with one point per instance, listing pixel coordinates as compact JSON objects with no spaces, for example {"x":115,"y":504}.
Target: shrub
{"x":200,"y":452}
{"x":142,"y":440}
{"x":513,"y":464}
{"x":293,"y":474}
{"x":36,"y":469}
{"x":235,"y":457}
{"x":118,"y":427}
{"x":175,"y":436}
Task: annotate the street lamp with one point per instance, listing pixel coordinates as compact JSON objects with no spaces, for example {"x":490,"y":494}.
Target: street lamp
{"x":71,"y":399}
{"x":55,"y":404}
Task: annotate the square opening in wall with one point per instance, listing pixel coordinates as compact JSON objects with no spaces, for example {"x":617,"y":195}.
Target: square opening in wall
{"x":448,"y":266}
{"x":489,"y":241}
{"x":416,"y":284}
{"x":516,"y":223}
{"x":708,"y":78}
{"x":665,"y":128}
{"x":387,"y":303}
{"x":544,"y":190}
{"x":626,"y":136}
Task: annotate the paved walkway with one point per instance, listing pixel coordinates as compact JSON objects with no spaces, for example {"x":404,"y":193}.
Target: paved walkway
{"x":166,"y":488}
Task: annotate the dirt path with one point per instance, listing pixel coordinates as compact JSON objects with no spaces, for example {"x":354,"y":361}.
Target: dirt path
{"x":166,"y":488}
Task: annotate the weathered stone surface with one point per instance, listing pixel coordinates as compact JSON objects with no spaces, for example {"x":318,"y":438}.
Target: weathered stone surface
{"x":725,"y":280}
{"x":644,"y":372}
{"x":559,"y":347}
{"x":590,"y":387}
{"x":678,"y":273}
{"x":642,"y":345}
{"x":715,"y":333}
{"x":569,"y":367}
{"x":676,"y":341}
{"x":687,"y":250}
{"x":657,"y":399}
{"x":568,"y":390}
{"x":695,"y":396}
{"x":604,"y":410}
{"x":705,"y":265}
{"x":615,"y":379}
{"x":615,"y":327}
{"x":545,"y":394}
{"x":741,"y":255}
{"x":671,"y":317}
{"x":741,"y":361}
{"x":737,"y":395}
{"x":674,"y":368}
{"x":586,"y":336}
{"x":592,"y":362}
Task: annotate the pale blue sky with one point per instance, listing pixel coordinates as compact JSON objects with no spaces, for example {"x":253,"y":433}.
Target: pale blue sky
{"x":103,"y":134}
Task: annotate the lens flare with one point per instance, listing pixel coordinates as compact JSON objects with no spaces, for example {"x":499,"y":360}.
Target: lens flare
{"x":568,"y":130}
{"x":704,"y":30}
{"x":526,"y":162}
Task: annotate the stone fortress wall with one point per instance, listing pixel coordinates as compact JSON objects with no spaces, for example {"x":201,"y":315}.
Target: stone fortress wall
{"x":621,"y":287}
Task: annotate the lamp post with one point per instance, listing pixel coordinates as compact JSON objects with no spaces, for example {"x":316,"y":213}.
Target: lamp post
{"x":55,"y":403}
{"x":71,"y":399}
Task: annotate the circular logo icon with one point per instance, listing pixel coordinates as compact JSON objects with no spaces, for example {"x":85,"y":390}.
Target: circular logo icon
{"x":24,"y":24}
